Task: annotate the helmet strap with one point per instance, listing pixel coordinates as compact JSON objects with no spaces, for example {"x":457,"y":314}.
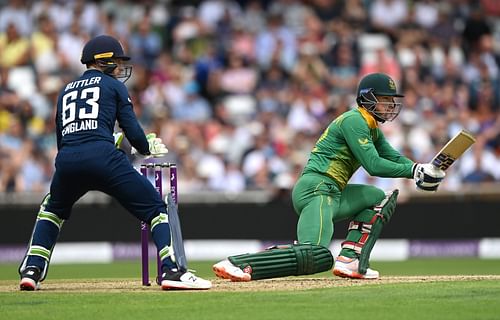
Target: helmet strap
{"x":106,"y":66}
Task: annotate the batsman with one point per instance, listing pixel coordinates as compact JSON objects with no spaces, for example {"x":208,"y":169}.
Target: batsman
{"x":322,"y":195}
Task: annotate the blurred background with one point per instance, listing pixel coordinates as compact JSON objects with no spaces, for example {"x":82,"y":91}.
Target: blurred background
{"x":239,"y":91}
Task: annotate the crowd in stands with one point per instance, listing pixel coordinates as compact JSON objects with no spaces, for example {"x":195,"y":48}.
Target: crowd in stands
{"x":239,"y":91}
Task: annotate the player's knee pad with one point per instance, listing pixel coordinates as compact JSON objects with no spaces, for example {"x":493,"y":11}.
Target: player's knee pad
{"x":285,"y":260}
{"x":370,"y":230}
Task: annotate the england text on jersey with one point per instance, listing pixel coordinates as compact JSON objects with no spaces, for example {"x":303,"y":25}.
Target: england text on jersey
{"x":80,"y":126}
{"x":82,"y":83}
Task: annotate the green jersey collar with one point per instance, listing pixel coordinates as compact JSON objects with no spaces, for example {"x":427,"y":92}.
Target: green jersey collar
{"x":370,"y":120}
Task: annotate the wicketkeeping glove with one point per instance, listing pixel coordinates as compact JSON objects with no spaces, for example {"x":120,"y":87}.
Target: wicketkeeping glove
{"x":118,"y":139}
{"x":156,"y":146}
{"x":427,"y":177}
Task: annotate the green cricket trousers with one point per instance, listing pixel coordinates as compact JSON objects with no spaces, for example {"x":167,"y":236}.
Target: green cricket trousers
{"x":320,"y":203}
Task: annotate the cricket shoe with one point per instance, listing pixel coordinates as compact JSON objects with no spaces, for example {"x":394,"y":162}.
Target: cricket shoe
{"x":183,"y":280}
{"x":348,"y":268}
{"x":226,"y":270}
{"x":30,"y":279}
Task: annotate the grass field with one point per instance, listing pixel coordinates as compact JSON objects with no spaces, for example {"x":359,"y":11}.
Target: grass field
{"x":414,"y":289}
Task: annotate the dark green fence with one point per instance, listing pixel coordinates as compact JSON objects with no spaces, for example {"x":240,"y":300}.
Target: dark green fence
{"x":445,"y":217}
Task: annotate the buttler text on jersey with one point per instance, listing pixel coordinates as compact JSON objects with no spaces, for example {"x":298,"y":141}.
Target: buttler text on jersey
{"x":82,"y":83}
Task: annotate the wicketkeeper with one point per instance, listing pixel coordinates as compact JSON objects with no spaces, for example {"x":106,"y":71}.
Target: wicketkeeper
{"x":322,"y":195}
{"x":87,"y":159}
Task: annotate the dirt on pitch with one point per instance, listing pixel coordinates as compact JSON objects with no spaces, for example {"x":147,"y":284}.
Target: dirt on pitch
{"x":283,"y":284}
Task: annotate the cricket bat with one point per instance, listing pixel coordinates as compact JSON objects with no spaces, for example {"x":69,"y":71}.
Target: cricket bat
{"x":453,"y":150}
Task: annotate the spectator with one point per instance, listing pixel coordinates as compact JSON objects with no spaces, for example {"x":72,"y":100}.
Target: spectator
{"x":69,"y":46}
{"x":310,"y":67}
{"x":276,"y":43}
{"x":305,"y":111}
{"x":426,"y":13}
{"x":58,"y":14}
{"x":145,"y":44}
{"x":14,"y":48}
{"x":295,"y":13}
{"x":33,"y":175}
{"x":239,"y":76}
{"x":16,"y":13}
{"x":253,"y":17}
{"x":476,"y":26}
{"x":12,"y":143}
{"x":343,"y":74}
{"x":380,"y":10}
{"x":382,"y":61}
{"x":44,"y":46}
{"x":328,"y":10}
{"x":14,"y":58}
{"x":214,"y":76}
{"x":88,"y":14}
{"x":443,"y":30}
{"x":210,"y":12}
{"x":195,"y":108}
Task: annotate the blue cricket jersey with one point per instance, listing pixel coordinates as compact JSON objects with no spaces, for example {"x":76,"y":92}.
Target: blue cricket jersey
{"x":88,"y":108}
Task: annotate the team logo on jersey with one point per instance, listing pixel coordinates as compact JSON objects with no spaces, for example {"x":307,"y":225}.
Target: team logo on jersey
{"x":363,"y":141}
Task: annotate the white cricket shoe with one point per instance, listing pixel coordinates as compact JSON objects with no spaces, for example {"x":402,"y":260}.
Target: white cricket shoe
{"x":178,"y":280}
{"x":348,"y":268}
{"x":226,"y":270}
{"x":30,"y":279}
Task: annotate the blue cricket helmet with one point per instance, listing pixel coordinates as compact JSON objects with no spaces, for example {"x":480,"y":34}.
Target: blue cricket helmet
{"x":103,"y":50}
{"x":102,"y":47}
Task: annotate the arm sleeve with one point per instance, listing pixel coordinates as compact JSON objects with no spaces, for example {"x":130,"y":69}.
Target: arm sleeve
{"x":386,"y":151}
{"x":128,"y":122}
{"x":360,"y":142}
{"x":58,"y":123}
{"x":58,"y":131}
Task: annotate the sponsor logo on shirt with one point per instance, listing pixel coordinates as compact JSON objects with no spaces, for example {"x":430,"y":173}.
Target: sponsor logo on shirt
{"x":363,"y":141}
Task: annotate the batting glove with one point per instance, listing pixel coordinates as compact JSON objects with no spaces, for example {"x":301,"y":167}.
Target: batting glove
{"x":427,"y":177}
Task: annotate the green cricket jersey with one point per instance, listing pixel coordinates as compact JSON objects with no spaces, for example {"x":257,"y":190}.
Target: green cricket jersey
{"x":352,"y":140}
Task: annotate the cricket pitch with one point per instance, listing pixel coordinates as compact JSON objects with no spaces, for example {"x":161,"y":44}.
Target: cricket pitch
{"x":282,"y":284}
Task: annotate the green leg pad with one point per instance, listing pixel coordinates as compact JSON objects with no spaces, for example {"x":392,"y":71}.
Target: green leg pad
{"x":355,"y":235}
{"x":283,"y":261}
{"x":386,"y":210}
